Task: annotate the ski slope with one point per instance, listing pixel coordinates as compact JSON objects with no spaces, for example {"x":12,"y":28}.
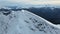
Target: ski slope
{"x":25,"y":22}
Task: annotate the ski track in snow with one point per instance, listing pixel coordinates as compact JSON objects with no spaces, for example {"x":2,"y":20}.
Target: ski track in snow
{"x":25,"y":22}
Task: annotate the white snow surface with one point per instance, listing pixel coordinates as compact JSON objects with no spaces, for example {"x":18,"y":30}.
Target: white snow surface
{"x":58,"y":25}
{"x":25,"y":22}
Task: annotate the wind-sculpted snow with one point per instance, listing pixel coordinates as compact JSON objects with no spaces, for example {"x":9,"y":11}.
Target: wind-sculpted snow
{"x":25,"y":22}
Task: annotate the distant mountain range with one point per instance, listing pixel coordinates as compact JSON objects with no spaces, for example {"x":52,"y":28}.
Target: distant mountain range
{"x":51,"y":14}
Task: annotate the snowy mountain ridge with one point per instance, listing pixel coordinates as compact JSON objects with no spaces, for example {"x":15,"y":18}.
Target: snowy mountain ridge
{"x":25,"y":22}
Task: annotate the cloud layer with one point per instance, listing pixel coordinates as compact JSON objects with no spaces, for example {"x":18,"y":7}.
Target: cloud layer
{"x":29,"y":2}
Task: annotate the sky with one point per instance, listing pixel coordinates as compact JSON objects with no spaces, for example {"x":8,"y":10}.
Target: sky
{"x":29,"y":2}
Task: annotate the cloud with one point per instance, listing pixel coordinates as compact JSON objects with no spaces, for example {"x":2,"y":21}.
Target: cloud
{"x":37,"y":1}
{"x":33,"y":1}
{"x":29,"y":2}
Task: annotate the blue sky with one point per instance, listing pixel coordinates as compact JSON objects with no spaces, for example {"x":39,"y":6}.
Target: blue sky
{"x":29,"y":2}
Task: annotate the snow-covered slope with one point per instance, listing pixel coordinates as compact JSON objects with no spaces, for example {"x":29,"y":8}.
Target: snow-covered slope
{"x":58,"y":25}
{"x":25,"y":22}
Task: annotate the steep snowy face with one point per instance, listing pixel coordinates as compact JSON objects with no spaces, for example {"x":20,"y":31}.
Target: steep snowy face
{"x":25,"y":22}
